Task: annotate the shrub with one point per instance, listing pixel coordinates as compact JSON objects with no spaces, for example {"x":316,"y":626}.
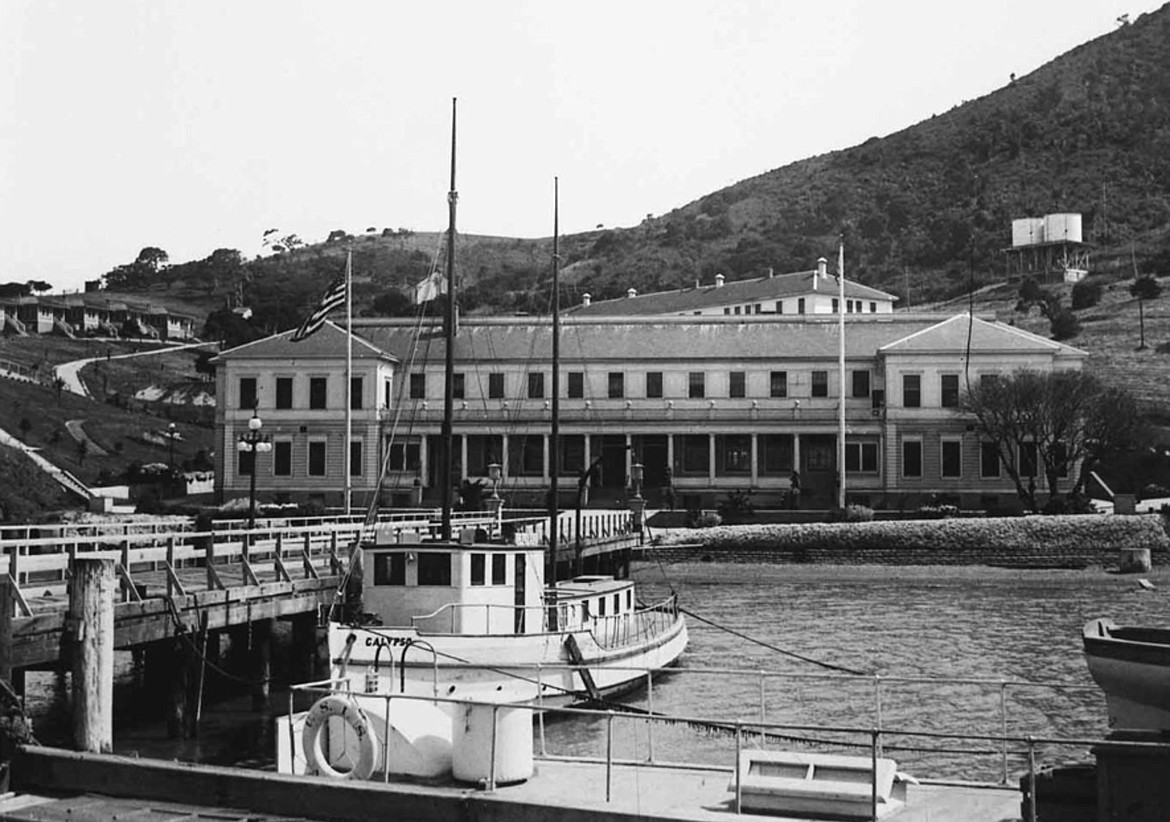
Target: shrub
{"x":938,"y":511}
{"x":858,"y":513}
{"x":1064,"y":324}
{"x":708,"y":519}
{"x":738,"y":504}
{"x":1086,"y":294}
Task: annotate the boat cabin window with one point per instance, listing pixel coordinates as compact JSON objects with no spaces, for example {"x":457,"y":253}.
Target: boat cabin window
{"x":390,"y":569}
{"x":499,"y":569}
{"x":478,"y":567}
{"x":629,"y":600}
{"x":601,"y":606}
{"x":434,"y":568}
{"x":617,"y":606}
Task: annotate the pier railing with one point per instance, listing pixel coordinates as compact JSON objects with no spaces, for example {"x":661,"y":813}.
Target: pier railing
{"x":635,"y":729}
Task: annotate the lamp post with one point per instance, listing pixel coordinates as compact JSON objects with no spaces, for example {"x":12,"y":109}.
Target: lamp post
{"x":253,"y":443}
{"x":171,"y":434}
{"x":494,"y":503}
{"x":637,"y":504}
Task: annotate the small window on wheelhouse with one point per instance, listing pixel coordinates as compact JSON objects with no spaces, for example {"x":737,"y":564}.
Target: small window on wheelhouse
{"x":499,"y":569}
{"x":390,"y":569}
{"x":434,"y":568}
{"x":478,"y":568}
{"x":617,"y":604}
{"x":601,"y":606}
{"x":629,"y":600}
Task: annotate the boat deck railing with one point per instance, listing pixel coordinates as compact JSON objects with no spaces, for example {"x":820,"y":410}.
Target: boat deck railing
{"x":627,"y":737}
{"x":612,"y":631}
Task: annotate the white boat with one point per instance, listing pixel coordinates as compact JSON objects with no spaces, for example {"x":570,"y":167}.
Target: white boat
{"x":1132,"y":666}
{"x":470,"y":618}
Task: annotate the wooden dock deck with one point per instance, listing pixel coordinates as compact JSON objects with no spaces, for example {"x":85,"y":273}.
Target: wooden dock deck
{"x":61,"y":786}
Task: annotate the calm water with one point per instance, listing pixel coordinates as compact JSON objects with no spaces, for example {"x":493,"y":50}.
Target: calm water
{"x":936,"y":623}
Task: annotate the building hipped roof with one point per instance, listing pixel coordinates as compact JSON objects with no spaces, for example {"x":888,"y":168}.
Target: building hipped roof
{"x":329,"y":342}
{"x":741,"y":292}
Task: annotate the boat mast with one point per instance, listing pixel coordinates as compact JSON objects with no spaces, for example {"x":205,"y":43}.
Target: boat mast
{"x":554,"y":445}
{"x":446,"y":436}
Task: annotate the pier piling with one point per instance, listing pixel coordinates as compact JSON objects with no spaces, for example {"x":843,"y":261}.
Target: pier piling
{"x":90,"y":625}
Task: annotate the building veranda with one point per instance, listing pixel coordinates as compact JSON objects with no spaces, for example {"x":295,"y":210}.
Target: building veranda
{"x":708,"y":405}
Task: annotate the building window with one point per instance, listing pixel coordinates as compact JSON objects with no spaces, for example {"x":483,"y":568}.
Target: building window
{"x":733,"y":454}
{"x":696,"y":454}
{"x":499,"y":569}
{"x":952,"y":459}
{"x":617,"y":385}
{"x":779,"y":306}
{"x":726,"y":310}
{"x":246,"y":463}
{"x":496,"y":386}
{"x":318,"y":392}
{"x":911,"y":391}
{"x":1029,"y":459}
{"x":950,"y":390}
{"x":282,"y":458}
{"x":526,"y":455}
{"x":572,"y":458}
{"x":478,"y":569}
{"x":418,"y":386}
{"x":775,"y":453}
{"x":482,"y":451}
{"x":355,"y":458}
{"x":861,"y":457}
{"x":873,"y":308}
{"x":820,"y":383}
{"x":737,"y":387}
{"x":697,"y":385}
{"x":405,"y":456}
{"x":390,"y":569}
{"x":836,"y":305}
{"x":535,"y":386}
{"x":654,"y":384}
{"x":387,"y":393}
{"x":458,"y":386}
{"x":356,"y":384}
{"x":735,"y":310}
{"x":778,"y":384}
{"x":576,"y":385}
{"x":317,"y":458}
{"x":988,"y":460}
{"x":800,"y":305}
{"x":248,"y":392}
{"x":284,"y":388}
{"x":912,"y":458}
{"x":434,"y":568}
{"x":860,"y":383}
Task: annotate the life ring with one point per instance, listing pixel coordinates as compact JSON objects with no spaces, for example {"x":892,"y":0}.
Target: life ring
{"x":317,"y":720}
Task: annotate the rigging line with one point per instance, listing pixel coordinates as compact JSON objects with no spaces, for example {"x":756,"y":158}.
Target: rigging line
{"x":775,"y":648}
{"x":183,"y":634}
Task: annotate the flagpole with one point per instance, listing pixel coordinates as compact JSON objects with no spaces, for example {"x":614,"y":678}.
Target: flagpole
{"x":348,"y":378}
{"x":447,"y":431}
{"x":841,"y":373}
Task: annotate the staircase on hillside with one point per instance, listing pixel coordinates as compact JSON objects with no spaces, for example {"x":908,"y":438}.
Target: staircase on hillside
{"x":65,"y":328}
{"x":14,"y":325}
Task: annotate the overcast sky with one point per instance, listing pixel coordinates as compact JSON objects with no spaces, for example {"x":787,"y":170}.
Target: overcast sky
{"x":198,"y":125}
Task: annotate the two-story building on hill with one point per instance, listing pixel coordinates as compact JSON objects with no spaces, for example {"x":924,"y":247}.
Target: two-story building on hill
{"x":707,"y":405}
{"x":799,"y":293}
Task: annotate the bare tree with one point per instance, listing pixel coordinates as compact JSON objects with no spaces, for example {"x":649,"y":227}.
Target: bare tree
{"x":1068,"y":419}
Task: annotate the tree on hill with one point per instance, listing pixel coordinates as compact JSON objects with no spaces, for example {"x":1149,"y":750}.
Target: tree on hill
{"x":1144,"y":288}
{"x":138,"y":274}
{"x":1047,"y":424}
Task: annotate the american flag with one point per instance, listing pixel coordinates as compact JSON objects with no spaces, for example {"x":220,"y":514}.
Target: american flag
{"x":334,"y":296}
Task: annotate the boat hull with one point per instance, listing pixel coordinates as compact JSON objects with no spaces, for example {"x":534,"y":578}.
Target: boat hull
{"x":524,"y":667}
{"x":1132,"y":667}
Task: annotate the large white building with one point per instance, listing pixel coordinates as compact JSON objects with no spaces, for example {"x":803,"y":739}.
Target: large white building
{"x":707,"y":404}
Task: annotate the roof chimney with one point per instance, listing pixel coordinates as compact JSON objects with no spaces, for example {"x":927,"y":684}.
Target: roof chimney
{"x":631,"y":293}
{"x":771,"y":272}
{"x":586,"y":298}
{"x":822,"y":267}
{"x":719,"y":281}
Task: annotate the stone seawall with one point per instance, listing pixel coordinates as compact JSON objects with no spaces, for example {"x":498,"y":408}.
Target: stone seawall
{"x":1043,"y":543}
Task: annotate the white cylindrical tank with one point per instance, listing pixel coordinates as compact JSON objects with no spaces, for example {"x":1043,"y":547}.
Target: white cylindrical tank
{"x":1062,"y":228}
{"x":471,"y":747}
{"x":1027,"y":231}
